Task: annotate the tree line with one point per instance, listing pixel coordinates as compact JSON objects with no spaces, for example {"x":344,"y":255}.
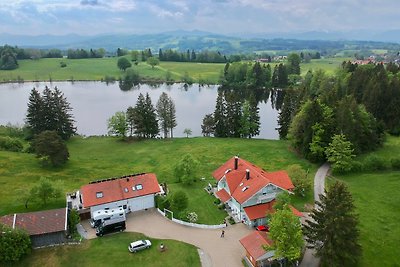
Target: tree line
{"x":354,"y":108}
{"x":232,"y":117}
{"x":144,"y":120}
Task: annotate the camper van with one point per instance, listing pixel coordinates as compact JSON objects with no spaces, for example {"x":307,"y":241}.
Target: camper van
{"x":109,"y":228}
{"x":101,"y":216}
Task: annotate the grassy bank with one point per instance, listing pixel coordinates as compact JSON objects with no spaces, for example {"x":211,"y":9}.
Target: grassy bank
{"x":112,"y":250}
{"x":104,"y":157}
{"x":98,"y":68}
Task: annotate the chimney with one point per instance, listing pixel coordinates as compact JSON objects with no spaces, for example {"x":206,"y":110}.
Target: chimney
{"x":127,"y":179}
{"x":236,"y":162}
{"x":247,"y":174}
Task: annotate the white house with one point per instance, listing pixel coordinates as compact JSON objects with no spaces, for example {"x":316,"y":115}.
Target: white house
{"x":250,"y":191}
{"x":131,"y":192}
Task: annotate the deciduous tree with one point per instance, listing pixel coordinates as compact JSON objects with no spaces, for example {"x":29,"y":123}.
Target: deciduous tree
{"x":45,"y":190}
{"x":179,"y":201}
{"x":188,"y":132}
{"x":117,"y":124}
{"x":186,"y":169}
{"x":14,"y":244}
{"x":123,"y":63}
{"x":153,"y":61}
{"x":50,"y":148}
{"x":340,"y":153}
{"x":286,"y":234}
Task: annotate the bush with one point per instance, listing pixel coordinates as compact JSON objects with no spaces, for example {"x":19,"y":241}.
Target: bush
{"x":192,"y":217}
{"x":374,"y":163}
{"x":217,"y":201}
{"x":231,"y":220}
{"x":63,"y":64}
{"x":73,"y":220}
{"x":221,"y":206}
{"x":162,"y":203}
{"x":10,"y":144}
{"x":14,"y":244}
{"x":395,"y":163}
{"x":357,"y":166}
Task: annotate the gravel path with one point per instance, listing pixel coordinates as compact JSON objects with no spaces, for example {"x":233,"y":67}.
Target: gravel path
{"x":309,"y":260}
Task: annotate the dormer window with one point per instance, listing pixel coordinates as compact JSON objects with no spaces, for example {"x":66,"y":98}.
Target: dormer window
{"x":244,"y":188}
{"x":133,"y":188}
{"x":228,"y":170}
{"x":139,"y":187}
{"x":241,"y":184}
{"x":99,"y":194}
{"x":126,"y":190}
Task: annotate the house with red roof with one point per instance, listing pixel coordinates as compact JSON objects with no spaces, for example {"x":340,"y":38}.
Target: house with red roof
{"x":250,"y":191}
{"x":47,"y":227}
{"x":131,"y":192}
{"x":256,"y":254}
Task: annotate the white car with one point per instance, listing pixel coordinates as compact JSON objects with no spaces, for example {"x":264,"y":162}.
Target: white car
{"x":139,"y":245}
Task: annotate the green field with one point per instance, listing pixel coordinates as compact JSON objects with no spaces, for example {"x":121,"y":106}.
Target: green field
{"x":98,"y":68}
{"x":377,"y":202}
{"x":104,"y":157}
{"x":112,"y":250}
{"x":329,"y":65}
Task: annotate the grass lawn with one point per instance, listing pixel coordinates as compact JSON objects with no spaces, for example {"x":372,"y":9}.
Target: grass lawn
{"x":112,"y":250}
{"x":96,"y":69}
{"x":104,"y":157}
{"x":377,"y":201}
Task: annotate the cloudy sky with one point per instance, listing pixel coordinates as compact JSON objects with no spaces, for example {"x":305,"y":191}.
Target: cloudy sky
{"x":90,"y":17}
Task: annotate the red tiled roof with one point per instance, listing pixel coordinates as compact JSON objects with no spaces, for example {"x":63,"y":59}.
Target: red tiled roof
{"x":39,"y":222}
{"x":223,"y":195}
{"x":253,"y":243}
{"x":258,"y":179}
{"x":295,"y":211}
{"x":260,"y":211}
{"x":119,"y":189}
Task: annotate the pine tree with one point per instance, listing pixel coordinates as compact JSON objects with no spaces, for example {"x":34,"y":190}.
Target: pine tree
{"x":208,"y":126}
{"x":333,"y":231}
{"x":162,"y":113}
{"x":50,"y":112}
{"x":139,"y":116}
{"x":233,"y":115}
{"x":151,"y":122}
{"x":250,"y":120}
{"x":171,"y":122}
{"x":220,"y":116}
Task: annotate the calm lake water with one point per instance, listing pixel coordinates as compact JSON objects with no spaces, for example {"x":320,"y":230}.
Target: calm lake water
{"x":94,"y":102}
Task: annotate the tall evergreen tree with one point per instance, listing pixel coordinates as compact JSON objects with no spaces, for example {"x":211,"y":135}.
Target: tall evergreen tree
{"x":233,"y":114}
{"x":162,"y":113}
{"x":333,"y":231}
{"x":139,"y":117}
{"x":151,"y":122}
{"x":250,"y":120}
{"x":50,"y":112}
{"x":293,"y":63}
{"x":220,"y":116}
{"x":171,"y":122}
{"x":208,"y":126}
{"x":130,"y":120}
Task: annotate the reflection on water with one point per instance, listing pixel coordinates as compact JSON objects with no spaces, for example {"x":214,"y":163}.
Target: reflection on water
{"x":94,"y":102}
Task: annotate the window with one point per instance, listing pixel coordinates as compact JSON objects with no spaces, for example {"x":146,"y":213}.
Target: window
{"x":133,"y":188}
{"x":124,"y":207}
{"x":106,"y":209}
{"x":244,"y":188}
{"x":139,"y":187}
{"x":99,"y":194}
{"x":126,"y":190}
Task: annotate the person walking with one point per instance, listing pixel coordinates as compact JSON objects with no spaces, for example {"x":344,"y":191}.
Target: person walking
{"x":222,"y":233}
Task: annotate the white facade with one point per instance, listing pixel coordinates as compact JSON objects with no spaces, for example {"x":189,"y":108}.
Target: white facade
{"x":129,"y":205}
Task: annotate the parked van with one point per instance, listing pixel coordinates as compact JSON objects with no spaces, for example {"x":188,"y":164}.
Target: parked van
{"x":115,"y":227}
{"x":100,"y":216}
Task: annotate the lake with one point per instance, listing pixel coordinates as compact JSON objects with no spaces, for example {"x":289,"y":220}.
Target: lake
{"x":94,"y":103}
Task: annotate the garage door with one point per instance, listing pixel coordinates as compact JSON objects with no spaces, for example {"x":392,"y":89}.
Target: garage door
{"x":142,"y":203}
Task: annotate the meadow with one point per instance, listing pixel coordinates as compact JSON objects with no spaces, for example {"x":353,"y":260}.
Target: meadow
{"x":97,"y":158}
{"x":49,"y":69}
{"x":112,"y":250}
{"x":377,"y":203}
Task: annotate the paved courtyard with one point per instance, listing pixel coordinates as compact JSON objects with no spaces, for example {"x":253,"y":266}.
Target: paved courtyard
{"x":214,"y":250}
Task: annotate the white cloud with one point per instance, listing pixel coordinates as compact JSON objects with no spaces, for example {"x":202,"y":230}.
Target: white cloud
{"x":164,"y":13}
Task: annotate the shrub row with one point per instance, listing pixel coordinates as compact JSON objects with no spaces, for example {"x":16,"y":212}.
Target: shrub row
{"x":10,"y":144}
{"x":374,"y":163}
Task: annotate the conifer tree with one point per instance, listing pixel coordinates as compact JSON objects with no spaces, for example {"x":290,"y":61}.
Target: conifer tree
{"x":333,"y":231}
{"x":220,"y":116}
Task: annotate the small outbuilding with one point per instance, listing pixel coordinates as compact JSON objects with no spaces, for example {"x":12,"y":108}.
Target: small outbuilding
{"x":255,"y":245}
{"x":45,"y":228}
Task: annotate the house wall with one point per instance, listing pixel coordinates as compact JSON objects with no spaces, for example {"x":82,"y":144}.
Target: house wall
{"x":44,"y":240}
{"x":129,"y":205}
{"x":264,"y":195}
{"x":251,"y":259}
{"x":222,"y":184}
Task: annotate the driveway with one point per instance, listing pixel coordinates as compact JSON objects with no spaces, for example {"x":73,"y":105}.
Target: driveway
{"x":309,"y":260}
{"x":217,"y":251}
{"x":214,"y":251}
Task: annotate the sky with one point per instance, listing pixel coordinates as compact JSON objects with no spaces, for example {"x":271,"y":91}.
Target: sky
{"x":92,"y":17}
